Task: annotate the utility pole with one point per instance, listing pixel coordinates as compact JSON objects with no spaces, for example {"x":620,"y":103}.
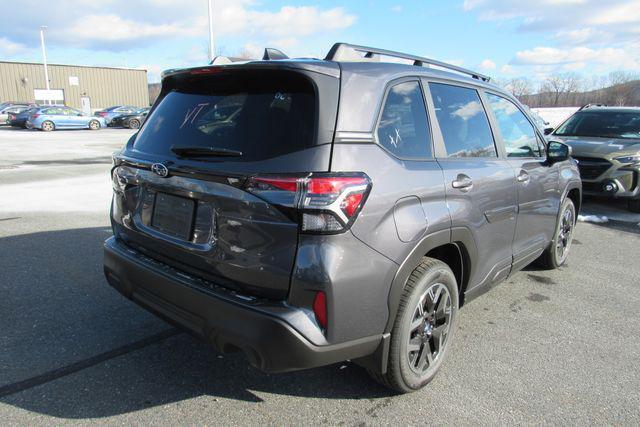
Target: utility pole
{"x":44,"y":58}
{"x":211,"y":45}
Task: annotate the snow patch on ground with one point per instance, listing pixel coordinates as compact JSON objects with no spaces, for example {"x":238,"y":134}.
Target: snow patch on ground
{"x":555,"y":116}
{"x":593,"y":218}
{"x":90,"y":193}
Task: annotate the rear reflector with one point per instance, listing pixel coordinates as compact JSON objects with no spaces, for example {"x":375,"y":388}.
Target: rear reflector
{"x":320,"y":309}
{"x":326,"y":203}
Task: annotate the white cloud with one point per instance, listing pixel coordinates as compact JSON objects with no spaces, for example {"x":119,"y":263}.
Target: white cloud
{"x":620,"y":58}
{"x":507,"y":69}
{"x":299,"y":21}
{"x":105,"y":25}
{"x":8,"y":48}
{"x":618,"y":18}
{"x":487,"y":64}
{"x":113,"y":28}
{"x":592,"y":35}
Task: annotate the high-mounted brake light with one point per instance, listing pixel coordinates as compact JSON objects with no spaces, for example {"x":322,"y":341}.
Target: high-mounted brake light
{"x":326,"y":203}
{"x":210,"y":70}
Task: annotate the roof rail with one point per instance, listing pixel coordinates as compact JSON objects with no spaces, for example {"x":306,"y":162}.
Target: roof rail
{"x":584,"y":107}
{"x":349,"y":52}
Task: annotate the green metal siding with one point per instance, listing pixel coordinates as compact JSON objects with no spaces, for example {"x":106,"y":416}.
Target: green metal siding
{"x":104,"y":86}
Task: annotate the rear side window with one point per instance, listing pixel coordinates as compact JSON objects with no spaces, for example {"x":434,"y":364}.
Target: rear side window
{"x":262,"y":115}
{"x":403,"y":129}
{"x":463,"y":121}
{"x":517,"y":132}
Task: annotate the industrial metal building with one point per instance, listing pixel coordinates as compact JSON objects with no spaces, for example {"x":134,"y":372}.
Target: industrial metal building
{"x":85,"y":88}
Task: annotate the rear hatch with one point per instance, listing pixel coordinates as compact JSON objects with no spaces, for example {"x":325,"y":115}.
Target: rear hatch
{"x":185,"y":187}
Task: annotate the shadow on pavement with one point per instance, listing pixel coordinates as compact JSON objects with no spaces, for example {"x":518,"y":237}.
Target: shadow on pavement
{"x":72,"y":347}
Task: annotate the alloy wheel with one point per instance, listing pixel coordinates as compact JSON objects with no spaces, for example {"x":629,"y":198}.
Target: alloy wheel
{"x":429,"y":330}
{"x":565,"y":235}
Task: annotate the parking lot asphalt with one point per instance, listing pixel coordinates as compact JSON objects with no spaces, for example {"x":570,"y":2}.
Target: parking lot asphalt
{"x":544,"y":347}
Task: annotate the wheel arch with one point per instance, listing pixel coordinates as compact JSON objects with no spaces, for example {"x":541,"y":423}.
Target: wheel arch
{"x":575,"y":194}
{"x":455,"y":247}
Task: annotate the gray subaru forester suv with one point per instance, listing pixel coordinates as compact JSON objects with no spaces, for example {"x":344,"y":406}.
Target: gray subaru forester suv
{"x":307,"y":212}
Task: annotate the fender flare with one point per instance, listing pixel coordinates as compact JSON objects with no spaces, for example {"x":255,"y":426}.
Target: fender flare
{"x":571,"y":185}
{"x":429,"y":242}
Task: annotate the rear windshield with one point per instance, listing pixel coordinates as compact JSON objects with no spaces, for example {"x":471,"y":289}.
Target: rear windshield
{"x":602,"y":124}
{"x":263,"y":115}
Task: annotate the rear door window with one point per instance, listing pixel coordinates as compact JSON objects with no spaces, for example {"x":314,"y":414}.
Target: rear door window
{"x":261,"y":117}
{"x":463,"y":121}
{"x":517,"y":132}
{"x":403,"y":129}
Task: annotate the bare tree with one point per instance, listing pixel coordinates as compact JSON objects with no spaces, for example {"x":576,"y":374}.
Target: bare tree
{"x":519,"y":87}
{"x":620,"y":89}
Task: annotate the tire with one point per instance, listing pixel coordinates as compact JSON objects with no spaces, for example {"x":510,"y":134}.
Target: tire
{"x":134,"y":124}
{"x":432,"y":286}
{"x":558,"y":250}
{"x":48,"y":126}
{"x":634,"y":205}
{"x":94,"y":125}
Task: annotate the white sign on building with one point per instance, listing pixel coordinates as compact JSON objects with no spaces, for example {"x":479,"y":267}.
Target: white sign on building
{"x":52,"y":96}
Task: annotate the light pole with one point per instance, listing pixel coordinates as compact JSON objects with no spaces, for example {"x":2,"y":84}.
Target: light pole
{"x":44,"y":59}
{"x":211,"y":45}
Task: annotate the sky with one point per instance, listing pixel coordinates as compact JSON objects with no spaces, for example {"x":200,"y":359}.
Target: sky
{"x":502,"y":38}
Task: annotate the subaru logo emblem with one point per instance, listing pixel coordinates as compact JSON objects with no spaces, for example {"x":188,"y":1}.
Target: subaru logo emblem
{"x":160,"y":170}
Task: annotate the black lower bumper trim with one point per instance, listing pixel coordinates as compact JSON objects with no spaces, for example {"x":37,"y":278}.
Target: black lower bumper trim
{"x":270,"y":343}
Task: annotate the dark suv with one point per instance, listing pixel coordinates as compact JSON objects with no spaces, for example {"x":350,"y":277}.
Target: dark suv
{"x":310,"y":211}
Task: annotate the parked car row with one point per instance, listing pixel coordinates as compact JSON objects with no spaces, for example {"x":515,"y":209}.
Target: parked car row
{"x":8,"y":108}
{"x":130,"y":120}
{"x":53,"y":117}
{"x":123,"y":116}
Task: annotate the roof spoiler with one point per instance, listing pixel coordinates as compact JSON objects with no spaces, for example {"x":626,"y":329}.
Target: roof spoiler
{"x":352,"y":52}
{"x":271,"y":54}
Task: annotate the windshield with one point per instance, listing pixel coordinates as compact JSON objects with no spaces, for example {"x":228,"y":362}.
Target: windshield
{"x":602,"y":125}
{"x":261,"y":117}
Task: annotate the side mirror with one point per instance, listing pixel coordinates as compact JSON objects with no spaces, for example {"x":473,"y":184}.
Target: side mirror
{"x":558,"y":151}
{"x":547,"y":131}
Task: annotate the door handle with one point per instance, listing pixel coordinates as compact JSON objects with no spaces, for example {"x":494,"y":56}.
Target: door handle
{"x":462,"y":183}
{"x":523,"y":177}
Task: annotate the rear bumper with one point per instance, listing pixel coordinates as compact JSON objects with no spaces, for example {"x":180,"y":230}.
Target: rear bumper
{"x":226,"y":320}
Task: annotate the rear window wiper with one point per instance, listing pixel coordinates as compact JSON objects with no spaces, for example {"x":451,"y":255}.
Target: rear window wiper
{"x":205,"y":152}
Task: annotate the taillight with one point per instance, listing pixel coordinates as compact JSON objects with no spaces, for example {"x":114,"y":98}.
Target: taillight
{"x":102,"y":113}
{"x":35,"y":116}
{"x":324,"y":203}
{"x":320,"y":308}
